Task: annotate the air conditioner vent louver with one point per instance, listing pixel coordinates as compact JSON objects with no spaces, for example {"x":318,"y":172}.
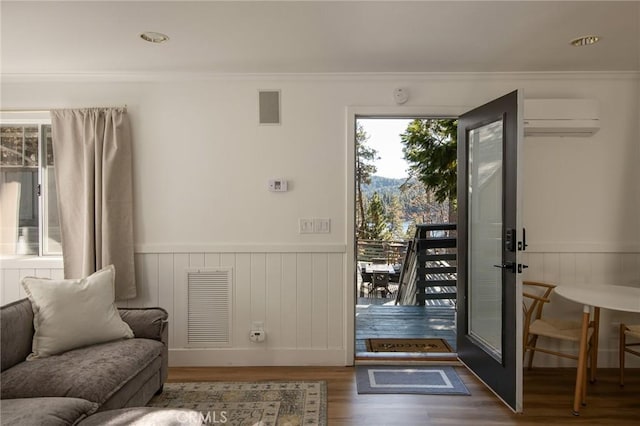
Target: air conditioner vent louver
{"x":209,"y":312}
{"x":561,"y":117}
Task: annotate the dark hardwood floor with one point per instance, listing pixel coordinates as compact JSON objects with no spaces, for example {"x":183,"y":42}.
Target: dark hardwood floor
{"x":548,"y":396}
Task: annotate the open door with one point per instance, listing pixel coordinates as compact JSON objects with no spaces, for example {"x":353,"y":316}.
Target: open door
{"x":489,"y":319}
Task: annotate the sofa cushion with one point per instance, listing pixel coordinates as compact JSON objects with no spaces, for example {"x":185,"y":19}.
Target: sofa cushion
{"x":93,"y":373}
{"x":16,"y":332}
{"x":69,"y":314}
{"x":45,"y":411}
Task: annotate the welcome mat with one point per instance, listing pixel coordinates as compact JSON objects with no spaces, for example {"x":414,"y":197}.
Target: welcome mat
{"x":407,"y":345}
{"x":250,"y":403}
{"x":415,"y":380}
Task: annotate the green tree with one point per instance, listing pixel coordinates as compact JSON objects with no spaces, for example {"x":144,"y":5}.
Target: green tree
{"x":395,"y":217}
{"x":376,"y":220}
{"x":430,"y":148}
{"x":365,"y":156}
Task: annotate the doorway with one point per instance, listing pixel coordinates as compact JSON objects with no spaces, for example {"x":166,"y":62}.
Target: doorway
{"x":501,"y":369}
{"x":405,"y":178}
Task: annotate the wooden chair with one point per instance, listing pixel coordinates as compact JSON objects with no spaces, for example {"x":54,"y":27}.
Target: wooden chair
{"x":628,"y":331}
{"x":535,"y":295}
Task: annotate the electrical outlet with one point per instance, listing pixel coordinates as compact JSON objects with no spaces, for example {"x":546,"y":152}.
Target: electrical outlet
{"x":257,"y":336}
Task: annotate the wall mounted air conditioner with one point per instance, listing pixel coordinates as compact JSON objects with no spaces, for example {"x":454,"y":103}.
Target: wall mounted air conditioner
{"x":561,"y":117}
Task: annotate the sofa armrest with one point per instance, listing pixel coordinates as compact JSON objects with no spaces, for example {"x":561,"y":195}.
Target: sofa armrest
{"x":146,"y":323}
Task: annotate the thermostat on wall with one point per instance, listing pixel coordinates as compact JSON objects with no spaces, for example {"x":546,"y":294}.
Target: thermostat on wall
{"x":277,"y":185}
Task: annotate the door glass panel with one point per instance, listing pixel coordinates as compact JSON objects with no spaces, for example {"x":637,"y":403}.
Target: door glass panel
{"x":485,"y":237}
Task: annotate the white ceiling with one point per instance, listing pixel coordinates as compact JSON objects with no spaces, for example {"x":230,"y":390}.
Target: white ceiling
{"x":317,"y":36}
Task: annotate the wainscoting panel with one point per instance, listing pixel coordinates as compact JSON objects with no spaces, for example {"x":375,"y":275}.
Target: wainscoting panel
{"x":583,"y":269}
{"x":300,"y":296}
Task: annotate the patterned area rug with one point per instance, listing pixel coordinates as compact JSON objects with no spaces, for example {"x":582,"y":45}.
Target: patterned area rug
{"x":302,"y":403}
{"x":415,"y":380}
{"x":408,"y":345}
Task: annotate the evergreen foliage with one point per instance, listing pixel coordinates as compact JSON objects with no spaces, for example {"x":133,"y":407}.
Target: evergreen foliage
{"x":430,"y":148}
{"x":389,"y":209}
{"x":365,"y":168}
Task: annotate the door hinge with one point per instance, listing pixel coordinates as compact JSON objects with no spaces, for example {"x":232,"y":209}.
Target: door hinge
{"x":39,"y":190}
{"x":522,"y":267}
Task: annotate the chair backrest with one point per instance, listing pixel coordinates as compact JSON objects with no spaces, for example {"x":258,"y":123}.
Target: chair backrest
{"x":380,"y":278}
{"x":366,"y":276}
{"x":534,"y":295}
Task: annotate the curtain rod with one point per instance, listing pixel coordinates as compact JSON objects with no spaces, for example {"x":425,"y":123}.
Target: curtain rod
{"x":39,"y":110}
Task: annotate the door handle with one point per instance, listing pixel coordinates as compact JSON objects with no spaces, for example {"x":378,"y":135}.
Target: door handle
{"x":507,"y":265}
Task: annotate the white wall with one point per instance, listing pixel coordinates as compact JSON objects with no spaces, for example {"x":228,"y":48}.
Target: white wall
{"x":201,"y":165}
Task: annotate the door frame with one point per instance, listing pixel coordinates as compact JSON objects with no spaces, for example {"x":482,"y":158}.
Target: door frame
{"x":350,"y":278}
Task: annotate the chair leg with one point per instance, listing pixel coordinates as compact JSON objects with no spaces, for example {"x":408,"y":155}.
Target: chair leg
{"x":532,"y":351}
{"x":621,"y":352}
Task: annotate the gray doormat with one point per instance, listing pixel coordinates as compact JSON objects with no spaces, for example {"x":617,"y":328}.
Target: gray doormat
{"x":427,"y":380}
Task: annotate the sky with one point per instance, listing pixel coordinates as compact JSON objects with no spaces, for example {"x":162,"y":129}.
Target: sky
{"x":384,"y":137}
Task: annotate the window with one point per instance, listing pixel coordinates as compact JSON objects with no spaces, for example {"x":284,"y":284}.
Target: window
{"x":29,"y":222}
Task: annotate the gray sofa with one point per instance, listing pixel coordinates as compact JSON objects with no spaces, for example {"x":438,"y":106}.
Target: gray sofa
{"x":66,"y":388}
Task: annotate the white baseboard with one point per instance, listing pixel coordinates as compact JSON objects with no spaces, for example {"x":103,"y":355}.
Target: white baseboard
{"x":232,"y":357}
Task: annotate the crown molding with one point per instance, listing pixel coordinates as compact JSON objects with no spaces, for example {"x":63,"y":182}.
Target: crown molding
{"x":111,"y":77}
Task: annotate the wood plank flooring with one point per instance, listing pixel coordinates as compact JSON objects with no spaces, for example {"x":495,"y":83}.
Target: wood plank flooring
{"x":384,"y":321}
{"x":547,"y":399}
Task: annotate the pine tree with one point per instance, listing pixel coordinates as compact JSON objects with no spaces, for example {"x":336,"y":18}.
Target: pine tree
{"x":395,"y":218}
{"x":365,"y":156}
{"x":430,"y":148}
{"x":377,"y":227}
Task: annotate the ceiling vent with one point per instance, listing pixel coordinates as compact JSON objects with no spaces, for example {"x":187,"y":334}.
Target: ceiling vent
{"x":561,"y":117}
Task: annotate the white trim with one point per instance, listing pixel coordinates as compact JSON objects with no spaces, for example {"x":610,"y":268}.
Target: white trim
{"x":426,"y":111}
{"x":352,"y":112}
{"x":9,"y":118}
{"x":32,"y":262}
{"x":133,"y":76}
{"x":241,"y":248}
{"x":222,"y":357}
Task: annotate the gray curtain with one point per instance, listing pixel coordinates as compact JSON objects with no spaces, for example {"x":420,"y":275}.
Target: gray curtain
{"x":93,"y":166}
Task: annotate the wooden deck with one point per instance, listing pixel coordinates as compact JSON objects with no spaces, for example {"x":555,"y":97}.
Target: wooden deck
{"x":377,"y":320}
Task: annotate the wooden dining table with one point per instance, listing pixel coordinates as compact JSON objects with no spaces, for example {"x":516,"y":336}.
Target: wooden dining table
{"x":593,"y":298}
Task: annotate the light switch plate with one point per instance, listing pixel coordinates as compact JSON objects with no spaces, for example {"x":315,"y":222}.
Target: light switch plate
{"x":321,"y":225}
{"x":277,"y":185}
{"x":305,"y":226}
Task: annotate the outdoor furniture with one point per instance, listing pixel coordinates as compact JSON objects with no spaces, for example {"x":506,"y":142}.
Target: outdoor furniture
{"x":628,"y":331}
{"x":380,"y":284}
{"x":367,"y":282}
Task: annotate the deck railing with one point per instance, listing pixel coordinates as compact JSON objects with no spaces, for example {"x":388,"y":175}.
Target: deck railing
{"x":429,"y":271}
{"x":389,"y":252}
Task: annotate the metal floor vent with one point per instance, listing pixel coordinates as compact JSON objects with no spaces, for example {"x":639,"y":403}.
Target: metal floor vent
{"x":209,"y":313}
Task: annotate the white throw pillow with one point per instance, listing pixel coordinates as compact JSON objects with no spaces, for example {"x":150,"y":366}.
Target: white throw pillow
{"x":69,"y":314}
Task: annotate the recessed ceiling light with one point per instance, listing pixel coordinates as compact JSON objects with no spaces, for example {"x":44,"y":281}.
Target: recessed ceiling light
{"x":153,"y":37}
{"x":585,"y":40}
